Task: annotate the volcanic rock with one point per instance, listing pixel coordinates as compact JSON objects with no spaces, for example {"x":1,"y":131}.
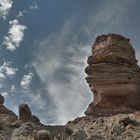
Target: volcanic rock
{"x":113,"y":76}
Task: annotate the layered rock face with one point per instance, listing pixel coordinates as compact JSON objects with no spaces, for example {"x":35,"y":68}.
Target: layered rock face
{"x":113,"y":76}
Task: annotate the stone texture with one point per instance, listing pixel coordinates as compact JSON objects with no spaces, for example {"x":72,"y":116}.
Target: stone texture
{"x":113,"y":76}
{"x":108,"y":128}
{"x":43,"y":135}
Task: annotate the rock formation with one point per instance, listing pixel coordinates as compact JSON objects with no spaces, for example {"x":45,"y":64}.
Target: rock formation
{"x":24,"y":112}
{"x":117,"y":127}
{"x":113,"y":76}
{"x":6,"y":114}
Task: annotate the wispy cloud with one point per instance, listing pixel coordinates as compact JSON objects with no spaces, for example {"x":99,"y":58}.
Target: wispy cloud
{"x":26,"y":80}
{"x":5,"y":6}
{"x":13,"y":88}
{"x":60,"y":59}
{"x":15,"y":35}
{"x":62,"y":72}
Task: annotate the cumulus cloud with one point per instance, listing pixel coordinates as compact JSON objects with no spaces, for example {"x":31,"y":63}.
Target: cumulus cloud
{"x":15,"y":35}
{"x":5,"y":6}
{"x":6,"y":70}
{"x":26,"y":80}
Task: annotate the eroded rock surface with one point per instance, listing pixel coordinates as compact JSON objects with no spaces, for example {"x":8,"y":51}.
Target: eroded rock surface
{"x":113,"y":76}
{"x":116,"y":127}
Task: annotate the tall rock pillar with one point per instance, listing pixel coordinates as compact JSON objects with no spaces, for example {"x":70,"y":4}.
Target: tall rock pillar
{"x":113,"y":76}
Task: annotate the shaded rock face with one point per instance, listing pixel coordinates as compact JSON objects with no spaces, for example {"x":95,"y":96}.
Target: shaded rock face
{"x":24,"y":112}
{"x":113,"y":76}
{"x":1,"y":99}
{"x":6,"y":114}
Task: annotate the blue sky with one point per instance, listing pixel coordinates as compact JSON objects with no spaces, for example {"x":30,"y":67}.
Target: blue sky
{"x":44,"y":46}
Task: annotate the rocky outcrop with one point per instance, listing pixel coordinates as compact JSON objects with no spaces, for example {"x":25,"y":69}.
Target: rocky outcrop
{"x":6,"y":114}
{"x":113,"y":76}
{"x":24,"y":112}
{"x":25,"y":115}
{"x":117,"y":127}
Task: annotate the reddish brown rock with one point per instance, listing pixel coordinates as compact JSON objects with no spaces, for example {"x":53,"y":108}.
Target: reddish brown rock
{"x":113,"y":76}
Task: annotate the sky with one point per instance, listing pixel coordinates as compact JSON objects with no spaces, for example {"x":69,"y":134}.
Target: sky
{"x":44,"y":45}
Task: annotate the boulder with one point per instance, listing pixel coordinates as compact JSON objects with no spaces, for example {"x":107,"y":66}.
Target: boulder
{"x":43,"y":135}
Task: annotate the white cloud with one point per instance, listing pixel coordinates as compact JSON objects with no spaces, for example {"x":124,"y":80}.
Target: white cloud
{"x":61,"y":69}
{"x":2,"y":76}
{"x":15,"y":35}
{"x":26,"y":80}
{"x":5,"y":6}
{"x":4,"y":94}
{"x":13,"y":88}
{"x":7,"y":70}
{"x":34,"y":6}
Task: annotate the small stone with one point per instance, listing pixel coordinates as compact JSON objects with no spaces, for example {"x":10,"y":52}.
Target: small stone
{"x":78,"y":135}
{"x":68,"y":130}
{"x":43,"y":135}
{"x":127,"y":121}
{"x":118,"y":130}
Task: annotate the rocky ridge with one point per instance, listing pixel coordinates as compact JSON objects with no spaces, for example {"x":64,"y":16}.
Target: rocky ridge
{"x":114,"y":79}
